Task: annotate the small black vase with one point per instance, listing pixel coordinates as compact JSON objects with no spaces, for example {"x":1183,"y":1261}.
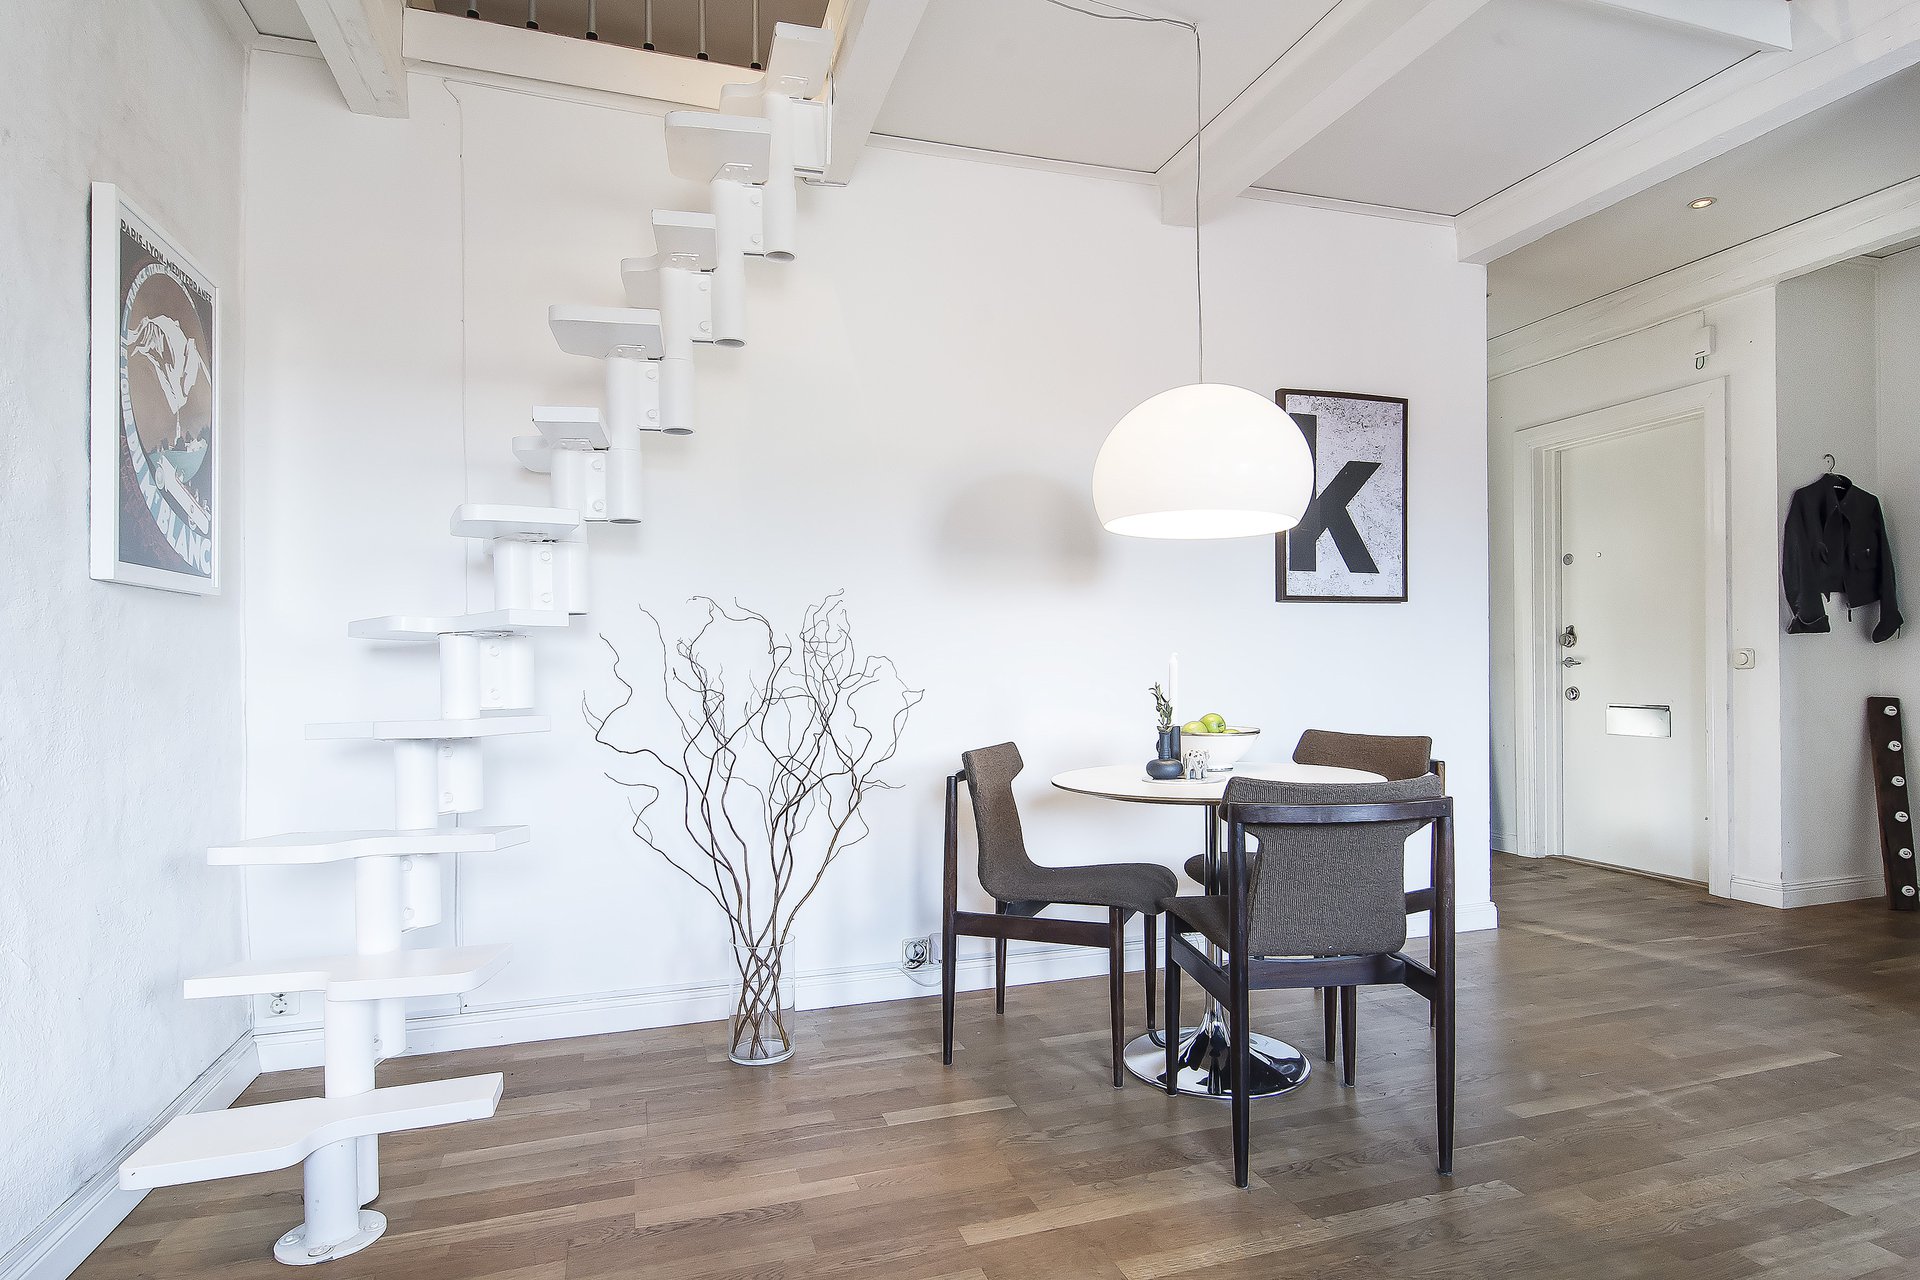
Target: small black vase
{"x":1165,"y":767}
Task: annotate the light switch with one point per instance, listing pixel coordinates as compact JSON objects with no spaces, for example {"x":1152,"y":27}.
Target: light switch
{"x":1744,"y":660}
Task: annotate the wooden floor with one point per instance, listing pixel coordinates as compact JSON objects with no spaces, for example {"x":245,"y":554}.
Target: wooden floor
{"x":1652,"y":1084}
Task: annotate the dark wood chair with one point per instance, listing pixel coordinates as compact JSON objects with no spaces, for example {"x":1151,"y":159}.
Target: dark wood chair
{"x":1394,"y":758}
{"x":1022,"y":889}
{"x":1324,"y":906}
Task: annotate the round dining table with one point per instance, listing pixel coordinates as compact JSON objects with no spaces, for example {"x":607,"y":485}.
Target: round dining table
{"x":1205,"y":1050}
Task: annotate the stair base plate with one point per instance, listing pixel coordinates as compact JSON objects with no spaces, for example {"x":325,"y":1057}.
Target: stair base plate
{"x":291,"y":1248}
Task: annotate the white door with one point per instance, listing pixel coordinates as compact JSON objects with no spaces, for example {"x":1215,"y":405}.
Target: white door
{"x":1632,"y":651}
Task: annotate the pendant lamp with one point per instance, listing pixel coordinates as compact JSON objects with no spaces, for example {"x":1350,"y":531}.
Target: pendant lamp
{"x":1205,"y":460}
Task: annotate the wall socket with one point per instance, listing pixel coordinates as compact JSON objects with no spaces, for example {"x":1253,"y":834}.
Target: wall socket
{"x":916,"y":953}
{"x":279,"y":1004}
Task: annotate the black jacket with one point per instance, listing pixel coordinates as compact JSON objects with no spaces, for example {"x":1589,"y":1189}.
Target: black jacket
{"x":1837,"y":541}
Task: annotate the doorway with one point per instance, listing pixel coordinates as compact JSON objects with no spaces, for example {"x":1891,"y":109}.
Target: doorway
{"x":1621,"y":616}
{"x":1632,"y":634}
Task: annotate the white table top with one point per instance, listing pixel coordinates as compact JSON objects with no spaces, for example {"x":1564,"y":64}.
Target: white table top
{"x":1130,"y":781}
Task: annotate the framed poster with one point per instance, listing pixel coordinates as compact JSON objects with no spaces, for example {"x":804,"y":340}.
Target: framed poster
{"x":154,"y":501}
{"x":1351,"y":545}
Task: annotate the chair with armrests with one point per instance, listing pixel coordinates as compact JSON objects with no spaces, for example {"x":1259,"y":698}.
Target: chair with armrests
{"x":1324,"y":906}
{"x":1022,"y":889}
{"x":1395,"y":759}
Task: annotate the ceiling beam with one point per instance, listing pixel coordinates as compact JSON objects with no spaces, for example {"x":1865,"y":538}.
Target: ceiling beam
{"x":1840,"y":47}
{"x":1888,"y":217}
{"x":873,"y":41}
{"x":1758,"y":24}
{"x":1357,"y":47}
{"x":360,"y":40}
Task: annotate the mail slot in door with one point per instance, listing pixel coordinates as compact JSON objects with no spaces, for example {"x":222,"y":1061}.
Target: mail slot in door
{"x":1640,"y":721}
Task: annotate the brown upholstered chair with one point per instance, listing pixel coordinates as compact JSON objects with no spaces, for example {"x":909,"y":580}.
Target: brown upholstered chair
{"x":1323,"y":906}
{"x":1393,"y":758}
{"x":1022,"y":888}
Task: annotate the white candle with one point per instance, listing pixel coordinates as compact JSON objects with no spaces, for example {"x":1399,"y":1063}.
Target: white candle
{"x":1173,"y":685}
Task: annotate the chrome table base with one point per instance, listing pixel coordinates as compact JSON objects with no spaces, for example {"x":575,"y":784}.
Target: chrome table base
{"x":1206,"y":1055}
{"x":1206,"y":1062}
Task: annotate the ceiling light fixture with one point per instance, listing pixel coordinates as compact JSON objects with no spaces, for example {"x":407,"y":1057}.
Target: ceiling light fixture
{"x":1206,"y":460}
{"x":1702,"y":202}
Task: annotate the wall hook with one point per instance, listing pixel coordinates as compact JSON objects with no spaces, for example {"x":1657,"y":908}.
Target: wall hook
{"x":1830,"y":461}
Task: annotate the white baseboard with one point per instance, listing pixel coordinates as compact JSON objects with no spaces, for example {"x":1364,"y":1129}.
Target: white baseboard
{"x":60,"y":1244}
{"x":1804,"y":893}
{"x":668,"y":1006}
{"x":1500,"y":842}
{"x":562,"y":1019}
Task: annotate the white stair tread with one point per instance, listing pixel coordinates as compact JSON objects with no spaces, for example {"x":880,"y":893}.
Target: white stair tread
{"x":305,"y":847}
{"x":429,"y":730}
{"x":534,"y":453}
{"x":600,"y":332}
{"x":224,"y":1144}
{"x":495,"y":622}
{"x":700,"y":144}
{"x":571,"y":424}
{"x":797,"y":68}
{"x":641,"y":276}
{"x":691,"y":239}
{"x":428,"y":971}
{"x":501,"y":520}
{"x":561,"y":427}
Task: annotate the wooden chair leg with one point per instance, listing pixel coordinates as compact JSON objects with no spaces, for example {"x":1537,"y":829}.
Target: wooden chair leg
{"x":1150,"y":966}
{"x":1000,"y":966}
{"x":1443,"y":1077}
{"x":1349,"y":1032}
{"x":1242,"y":1077}
{"x":948,"y":969}
{"x":1330,"y":1011}
{"x":1173,"y":1015}
{"x":1117,"y":989}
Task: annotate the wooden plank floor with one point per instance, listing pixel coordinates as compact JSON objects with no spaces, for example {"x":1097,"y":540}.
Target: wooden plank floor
{"x":1653,"y":1083}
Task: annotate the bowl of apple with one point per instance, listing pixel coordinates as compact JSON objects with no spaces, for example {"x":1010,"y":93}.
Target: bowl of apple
{"x":1225,"y":744}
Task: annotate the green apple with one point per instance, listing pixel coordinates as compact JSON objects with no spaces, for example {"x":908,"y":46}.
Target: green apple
{"x":1214,"y":722}
{"x":1193,"y":726}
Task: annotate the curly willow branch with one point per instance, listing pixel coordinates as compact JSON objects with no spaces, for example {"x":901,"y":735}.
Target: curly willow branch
{"x":770,"y":774}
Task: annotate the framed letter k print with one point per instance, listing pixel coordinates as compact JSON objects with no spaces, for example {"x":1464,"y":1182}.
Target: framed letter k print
{"x":1351,"y":545}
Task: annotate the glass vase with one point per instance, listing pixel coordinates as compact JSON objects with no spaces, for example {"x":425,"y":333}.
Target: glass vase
{"x":760,"y":1029}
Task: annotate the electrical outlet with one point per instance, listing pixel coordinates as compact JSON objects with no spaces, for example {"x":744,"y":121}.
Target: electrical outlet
{"x":279,"y":1004}
{"x":916,"y":953}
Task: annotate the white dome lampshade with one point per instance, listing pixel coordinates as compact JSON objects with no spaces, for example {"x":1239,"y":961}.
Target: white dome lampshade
{"x":1203,"y":461}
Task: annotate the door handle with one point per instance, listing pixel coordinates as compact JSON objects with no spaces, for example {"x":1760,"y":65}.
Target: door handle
{"x":1569,"y":662}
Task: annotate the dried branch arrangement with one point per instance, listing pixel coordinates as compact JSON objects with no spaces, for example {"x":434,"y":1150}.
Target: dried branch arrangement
{"x":781,"y":739}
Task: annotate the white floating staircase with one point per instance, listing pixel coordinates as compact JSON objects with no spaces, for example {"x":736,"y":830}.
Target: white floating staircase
{"x":751,"y":153}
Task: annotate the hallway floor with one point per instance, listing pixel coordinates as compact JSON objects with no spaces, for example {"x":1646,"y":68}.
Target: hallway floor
{"x":1652,"y":1083}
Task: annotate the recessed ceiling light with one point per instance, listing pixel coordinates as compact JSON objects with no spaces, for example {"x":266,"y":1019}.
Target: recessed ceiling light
{"x":1701,"y":203}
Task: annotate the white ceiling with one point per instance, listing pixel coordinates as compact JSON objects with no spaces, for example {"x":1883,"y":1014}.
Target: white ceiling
{"x":1516,"y":87}
{"x":1032,"y":78}
{"x":1839,"y":153}
{"x":277,"y":18}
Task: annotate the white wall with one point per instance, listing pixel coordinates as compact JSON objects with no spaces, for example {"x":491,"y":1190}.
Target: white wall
{"x":915,"y":420}
{"x":1897,"y":382}
{"x":1643,"y":364}
{"x":120,"y":714}
{"x":1825,"y":370}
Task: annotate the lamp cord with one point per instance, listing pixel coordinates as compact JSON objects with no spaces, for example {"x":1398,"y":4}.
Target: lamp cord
{"x":1120,"y":14}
